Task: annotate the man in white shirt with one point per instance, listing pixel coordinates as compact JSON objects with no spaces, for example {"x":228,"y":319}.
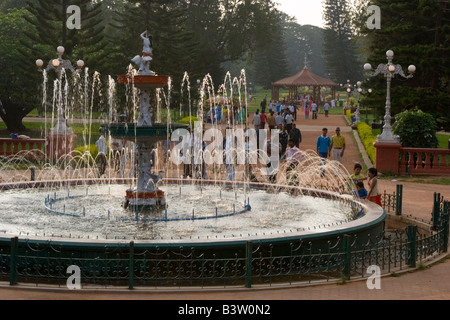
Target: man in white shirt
{"x":326,"y":107}
{"x":314,"y":110}
{"x":257,"y":120}
{"x":279,"y":120}
{"x":288,"y":120}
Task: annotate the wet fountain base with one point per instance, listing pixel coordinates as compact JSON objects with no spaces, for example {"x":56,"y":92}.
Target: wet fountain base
{"x":144,"y":201}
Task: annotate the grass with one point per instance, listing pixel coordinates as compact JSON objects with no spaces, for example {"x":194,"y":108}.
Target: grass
{"x":443,"y":140}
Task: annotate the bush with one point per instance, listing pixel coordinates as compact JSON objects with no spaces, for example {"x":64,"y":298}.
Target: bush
{"x":85,"y":156}
{"x":416,"y":129}
{"x":188,"y":120}
{"x":367,"y":139}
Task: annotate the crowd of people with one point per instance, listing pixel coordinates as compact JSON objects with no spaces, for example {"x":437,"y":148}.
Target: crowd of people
{"x":281,"y":116}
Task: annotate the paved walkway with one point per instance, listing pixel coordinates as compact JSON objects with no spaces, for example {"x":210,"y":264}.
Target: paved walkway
{"x":433,"y":283}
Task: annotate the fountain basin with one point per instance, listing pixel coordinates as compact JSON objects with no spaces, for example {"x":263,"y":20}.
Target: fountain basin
{"x":179,"y":257}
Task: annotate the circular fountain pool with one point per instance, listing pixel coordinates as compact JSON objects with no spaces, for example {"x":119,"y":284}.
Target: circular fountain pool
{"x":194,"y":212}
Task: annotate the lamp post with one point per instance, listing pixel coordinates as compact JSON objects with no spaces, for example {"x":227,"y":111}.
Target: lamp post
{"x":60,"y":140}
{"x":367,"y":109}
{"x":60,"y":66}
{"x":389,"y":70}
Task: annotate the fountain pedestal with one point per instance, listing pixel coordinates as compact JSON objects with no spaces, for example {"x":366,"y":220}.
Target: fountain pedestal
{"x":145,"y":134}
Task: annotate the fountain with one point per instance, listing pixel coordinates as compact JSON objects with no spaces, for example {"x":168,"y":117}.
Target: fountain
{"x":81,"y":215}
{"x":145,"y":133}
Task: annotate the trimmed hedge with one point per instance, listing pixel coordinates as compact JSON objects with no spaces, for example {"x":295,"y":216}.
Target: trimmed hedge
{"x":367,"y":139}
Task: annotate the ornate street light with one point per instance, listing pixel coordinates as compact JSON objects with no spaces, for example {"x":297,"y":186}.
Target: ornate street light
{"x":390,"y":71}
{"x":60,"y":66}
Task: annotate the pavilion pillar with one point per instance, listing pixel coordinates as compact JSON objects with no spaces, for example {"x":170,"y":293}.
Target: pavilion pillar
{"x":275,"y":93}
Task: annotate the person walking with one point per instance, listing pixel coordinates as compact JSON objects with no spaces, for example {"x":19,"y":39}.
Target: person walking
{"x":296,"y":135}
{"x":279,"y":120}
{"x":271,"y":121}
{"x":288,"y":119}
{"x":323,"y":144}
{"x":263,"y":120}
{"x":257,"y":121}
{"x":306,"y":109}
{"x":314,"y":110}
{"x":338,"y":145}
{"x":293,"y":158}
{"x":284,"y":139}
{"x":326,"y":107}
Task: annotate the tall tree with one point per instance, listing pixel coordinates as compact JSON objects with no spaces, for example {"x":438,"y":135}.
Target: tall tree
{"x":270,"y":57}
{"x":49,"y":19}
{"x":301,"y":41}
{"x":418,"y":33}
{"x":339,"y":49}
{"x":18,"y":92}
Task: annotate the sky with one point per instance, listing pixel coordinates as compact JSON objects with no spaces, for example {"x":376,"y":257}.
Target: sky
{"x":306,"y":11}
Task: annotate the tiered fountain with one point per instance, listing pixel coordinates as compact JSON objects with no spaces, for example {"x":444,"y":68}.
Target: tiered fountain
{"x":145,"y":133}
{"x":66,"y":224}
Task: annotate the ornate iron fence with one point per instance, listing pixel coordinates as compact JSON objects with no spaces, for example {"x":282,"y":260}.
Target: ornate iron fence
{"x":251,"y":263}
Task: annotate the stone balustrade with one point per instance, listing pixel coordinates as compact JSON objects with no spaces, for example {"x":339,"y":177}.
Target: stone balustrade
{"x":417,"y":161}
{"x":29,"y":148}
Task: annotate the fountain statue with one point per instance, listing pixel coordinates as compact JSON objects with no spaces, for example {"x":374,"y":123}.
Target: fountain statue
{"x":145,"y":133}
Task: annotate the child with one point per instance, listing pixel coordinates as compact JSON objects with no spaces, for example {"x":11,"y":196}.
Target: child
{"x":373,"y":195}
{"x":362,"y":192}
{"x":357,"y":176}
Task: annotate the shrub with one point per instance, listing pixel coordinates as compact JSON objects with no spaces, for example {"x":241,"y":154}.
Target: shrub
{"x":85,"y":156}
{"x":188,"y":120}
{"x":416,"y":129}
{"x":367,"y":139}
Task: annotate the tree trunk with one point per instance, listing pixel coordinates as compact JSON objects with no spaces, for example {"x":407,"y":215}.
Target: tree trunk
{"x":12,"y":114}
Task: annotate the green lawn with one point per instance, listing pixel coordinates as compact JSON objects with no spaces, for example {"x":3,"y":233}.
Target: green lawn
{"x":443,"y":140}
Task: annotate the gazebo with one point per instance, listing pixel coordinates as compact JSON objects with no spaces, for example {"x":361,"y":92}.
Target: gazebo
{"x":305,"y":78}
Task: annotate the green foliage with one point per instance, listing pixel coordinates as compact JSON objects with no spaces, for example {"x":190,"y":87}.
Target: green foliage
{"x":301,"y":41}
{"x":339,"y":49}
{"x":188,"y":120}
{"x":85,"y":155}
{"x":418,"y":33}
{"x":367,"y":139}
{"x":416,"y":129}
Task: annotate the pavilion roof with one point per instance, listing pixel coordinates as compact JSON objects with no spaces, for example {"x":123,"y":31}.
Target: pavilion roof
{"x":304,"y":78}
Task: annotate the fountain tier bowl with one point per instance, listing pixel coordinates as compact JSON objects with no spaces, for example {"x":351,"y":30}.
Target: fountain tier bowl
{"x":145,"y":81}
{"x":145,"y":134}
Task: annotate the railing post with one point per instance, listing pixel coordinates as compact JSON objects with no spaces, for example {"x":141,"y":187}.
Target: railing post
{"x":445,"y":225}
{"x":436,"y":210}
{"x":131,"y":267}
{"x":399,"y":200}
{"x":347,"y":256}
{"x":13,"y":261}
{"x":33,"y":173}
{"x":248,"y":263}
{"x":411,"y":255}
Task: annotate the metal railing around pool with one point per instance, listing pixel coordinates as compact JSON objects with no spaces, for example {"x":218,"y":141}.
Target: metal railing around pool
{"x":250,"y":263}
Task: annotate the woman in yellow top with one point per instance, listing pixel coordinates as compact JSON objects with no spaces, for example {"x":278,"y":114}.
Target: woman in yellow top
{"x":338,"y":145}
